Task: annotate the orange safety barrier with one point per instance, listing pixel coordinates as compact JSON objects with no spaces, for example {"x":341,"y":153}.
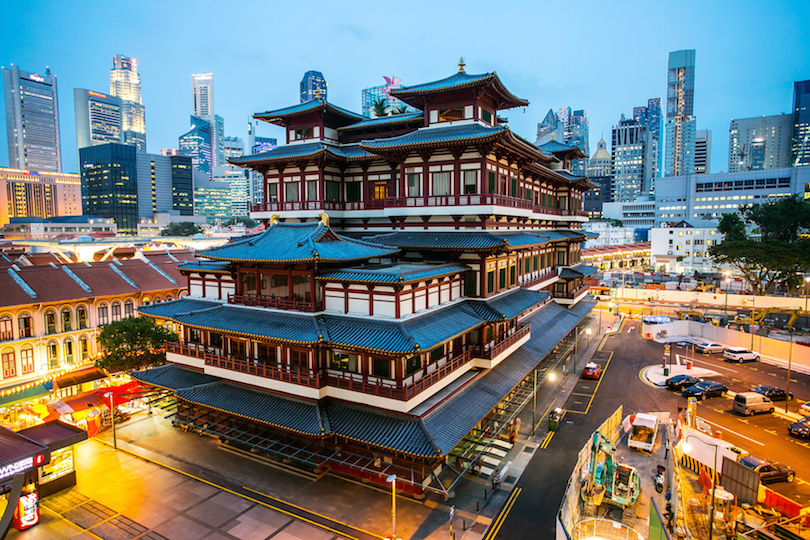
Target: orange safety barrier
{"x":785,"y":506}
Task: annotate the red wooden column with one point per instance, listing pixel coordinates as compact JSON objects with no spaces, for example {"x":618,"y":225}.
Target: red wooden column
{"x":457,"y":191}
{"x":403,"y":181}
{"x":425,"y":155}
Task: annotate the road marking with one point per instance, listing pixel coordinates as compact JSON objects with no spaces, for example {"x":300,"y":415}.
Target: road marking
{"x":771,"y":431}
{"x":734,"y":432}
{"x":496,"y":526}
{"x":716,"y":366}
{"x":547,"y":440}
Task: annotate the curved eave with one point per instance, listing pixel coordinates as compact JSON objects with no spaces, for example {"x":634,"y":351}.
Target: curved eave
{"x":203,"y":271}
{"x":245,"y":334}
{"x":442,"y":143}
{"x":384,"y":447}
{"x":303,"y":261}
{"x":392,"y":280}
{"x":320,"y":435}
{"x":526,"y":147}
{"x":382,"y":124}
{"x":508,"y":99}
{"x":257,"y":161}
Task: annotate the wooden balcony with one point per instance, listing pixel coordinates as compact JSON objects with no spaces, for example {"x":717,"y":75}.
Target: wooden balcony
{"x":551,"y":274}
{"x":570,"y":294}
{"x":274,"y":302}
{"x":504,"y":343}
{"x":247,"y":366}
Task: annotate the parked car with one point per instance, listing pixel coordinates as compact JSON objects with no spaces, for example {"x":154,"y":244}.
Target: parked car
{"x":804,"y":410}
{"x":800,"y":428}
{"x":773,"y":393}
{"x":709,"y":347}
{"x":769,"y":471}
{"x":750,"y":403}
{"x":740,"y":355}
{"x":592,"y":370}
{"x":679,"y":382}
{"x":705,"y":389}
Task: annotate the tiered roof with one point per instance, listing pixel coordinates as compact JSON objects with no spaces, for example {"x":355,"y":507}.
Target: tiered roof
{"x":413,"y":95}
{"x":280,"y":117}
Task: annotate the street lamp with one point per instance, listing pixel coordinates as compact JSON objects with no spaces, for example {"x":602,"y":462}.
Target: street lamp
{"x":111,"y":395}
{"x":728,"y":284}
{"x":806,"y":285}
{"x":393,"y":480}
{"x":790,"y":362}
{"x":686,"y":449}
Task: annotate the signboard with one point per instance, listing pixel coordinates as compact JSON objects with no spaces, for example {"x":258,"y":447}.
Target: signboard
{"x":27,"y":513}
{"x":21,"y":465}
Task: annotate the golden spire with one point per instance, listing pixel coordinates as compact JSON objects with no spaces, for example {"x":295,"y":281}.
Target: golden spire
{"x":318,"y":93}
{"x":461,"y":65}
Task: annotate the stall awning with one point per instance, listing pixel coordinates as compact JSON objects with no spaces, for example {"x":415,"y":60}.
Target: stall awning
{"x":55,"y":435}
{"x":80,"y":376}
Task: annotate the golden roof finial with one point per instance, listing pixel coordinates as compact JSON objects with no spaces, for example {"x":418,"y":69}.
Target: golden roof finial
{"x":318,"y":92}
{"x":461,"y":65}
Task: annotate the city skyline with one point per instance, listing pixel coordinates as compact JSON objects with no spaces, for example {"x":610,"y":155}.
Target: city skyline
{"x":254,"y":75}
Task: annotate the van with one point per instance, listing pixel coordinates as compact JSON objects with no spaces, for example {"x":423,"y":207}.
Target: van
{"x":750,"y":403}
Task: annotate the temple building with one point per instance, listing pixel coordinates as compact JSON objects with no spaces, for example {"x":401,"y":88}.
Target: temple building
{"x":378,"y":324}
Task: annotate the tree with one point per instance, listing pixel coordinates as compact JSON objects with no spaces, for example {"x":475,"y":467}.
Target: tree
{"x":184,"y":228}
{"x":133,"y":343}
{"x":246,"y":221}
{"x":777,"y":255}
{"x":379,"y":107}
{"x":402,"y":109}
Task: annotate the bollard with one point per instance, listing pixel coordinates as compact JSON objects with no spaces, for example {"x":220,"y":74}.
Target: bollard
{"x":463,"y":524}
{"x":485,"y":493}
{"x":476,"y":506}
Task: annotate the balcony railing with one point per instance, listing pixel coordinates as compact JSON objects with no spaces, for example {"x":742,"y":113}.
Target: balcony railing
{"x":569,"y":294}
{"x":274,"y":302}
{"x":550,"y":274}
{"x":247,"y":366}
{"x":500,"y":346}
{"x":475,"y":199}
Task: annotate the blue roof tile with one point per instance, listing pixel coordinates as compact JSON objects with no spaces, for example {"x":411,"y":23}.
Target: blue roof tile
{"x":440,"y":240}
{"x":458,"y":81}
{"x":173,"y":377}
{"x":285,"y":412}
{"x":205,"y":266}
{"x":183,"y":305}
{"x":312,"y":105}
{"x":284,"y":243}
{"x":428,"y":137}
{"x":509,"y":305}
{"x":384,"y":121}
{"x":394,"y":273}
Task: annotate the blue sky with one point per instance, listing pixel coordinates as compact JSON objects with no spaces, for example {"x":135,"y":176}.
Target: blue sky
{"x":604,"y":57}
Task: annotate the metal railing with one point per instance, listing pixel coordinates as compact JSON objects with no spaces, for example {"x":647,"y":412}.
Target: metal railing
{"x":521,"y":331}
{"x":274,"y":302}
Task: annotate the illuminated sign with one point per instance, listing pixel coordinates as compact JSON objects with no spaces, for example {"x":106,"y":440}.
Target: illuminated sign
{"x":22,"y":465}
{"x":37,"y":78}
{"x":27,"y":514}
{"x":97,"y":94}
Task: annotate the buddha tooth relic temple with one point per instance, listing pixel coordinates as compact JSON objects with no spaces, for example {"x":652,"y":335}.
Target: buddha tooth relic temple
{"x":415,"y":271}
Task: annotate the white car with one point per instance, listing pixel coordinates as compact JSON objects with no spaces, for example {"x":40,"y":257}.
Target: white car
{"x":804,"y":410}
{"x":709,"y":347}
{"x":740,"y":355}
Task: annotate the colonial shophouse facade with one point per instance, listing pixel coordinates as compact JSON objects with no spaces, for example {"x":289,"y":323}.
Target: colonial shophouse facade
{"x":376,"y":325}
{"x":49,"y":314}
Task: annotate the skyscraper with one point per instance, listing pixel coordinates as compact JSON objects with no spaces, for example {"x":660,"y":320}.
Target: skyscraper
{"x":125,"y":83}
{"x":202,"y":91}
{"x":98,"y":118}
{"x":703,"y":151}
{"x":600,"y":161}
{"x":196,"y":144}
{"x":32,"y":120}
{"x":650,"y":117}
{"x":759,"y":143}
{"x":679,"y":157}
{"x":800,"y":151}
{"x":631,"y":163}
{"x":313,"y":85}
{"x":577,"y":131}
{"x":40,"y":194}
{"x":551,"y":128}
{"x":374,"y":94}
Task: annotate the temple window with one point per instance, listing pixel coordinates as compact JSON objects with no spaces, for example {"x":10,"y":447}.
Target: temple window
{"x":381,"y":367}
{"x":490,"y":281}
{"x":491,"y":181}
{"x":486,"y":116}
{"x":299,"y":360}
{"x":215,"y":339}
{"x":343,"y":361}
{"x":441,"y":183}
{"x":312,"y":190}
{"x":301,"y":289}
{"x":332,"y":191}
{"x":437,"y":353}
{"x":194,"y":335}
{"x":248,"y":283}
{"x":450,"y":115}
{"x":304,"y":133}
{"x":266,"y":353}
{"x":379,"y":190}
{"x":291,"y":192}
{"x":413,"y":364}
{"x":272,"y":193}
{"x":470,"y":182}
{"x":353,"y":192}
{"x":413,"y":184}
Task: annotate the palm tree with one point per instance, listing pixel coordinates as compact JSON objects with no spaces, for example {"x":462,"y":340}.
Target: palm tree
{"x":379,"y":107}
{"x":402,"y":109}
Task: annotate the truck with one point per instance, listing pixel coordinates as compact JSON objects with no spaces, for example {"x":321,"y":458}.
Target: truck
{"x":643,"y":430}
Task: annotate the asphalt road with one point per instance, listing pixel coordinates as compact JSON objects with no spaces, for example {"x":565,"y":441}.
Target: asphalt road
{"x":544,"y":481}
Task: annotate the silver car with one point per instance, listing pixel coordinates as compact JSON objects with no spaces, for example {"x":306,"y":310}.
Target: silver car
{"x":710,"y":347}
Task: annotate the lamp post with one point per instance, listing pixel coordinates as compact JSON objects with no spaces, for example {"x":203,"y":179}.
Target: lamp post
{"x":790,"y":362}
{"x":806,"y":285}
{"x":728,"y":284}
{"x":687,"y":448}
{"x":393,"y":480}
{"x":111,"y":395}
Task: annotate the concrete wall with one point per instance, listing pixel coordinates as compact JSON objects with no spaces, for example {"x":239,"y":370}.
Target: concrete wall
{"x":741,"y":301}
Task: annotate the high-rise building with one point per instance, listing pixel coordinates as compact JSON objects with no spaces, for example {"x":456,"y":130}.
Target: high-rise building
{"x":40,"y":194}
{"x":679,"y":157}
{"x":800,"y":150}
{"x":202,"y":91}
{"x":125,"y":83}
{"x":234,"y":147}
{"x":599,"y":173}
{"x":313,"y":85}
{"x":759,"y":143}
{"x":98,"y":118}
{"x":238,"y":181}
{"x":649,"y":116}
{"x":382,"y":94}
{"x":550,"y":129}
{"x":257,"y":145}
{"x":196,"y":144}
{"x":32,"y":120}
{"x":211,"y":199}
{"x":577,"y":131}
{"x":703,"y":151}
{"x":631,"y":160}
{"x":121,"y":183}
{"x":600,"y":161}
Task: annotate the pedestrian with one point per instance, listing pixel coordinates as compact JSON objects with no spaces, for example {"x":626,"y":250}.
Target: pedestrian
{"x":666,"y":448}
